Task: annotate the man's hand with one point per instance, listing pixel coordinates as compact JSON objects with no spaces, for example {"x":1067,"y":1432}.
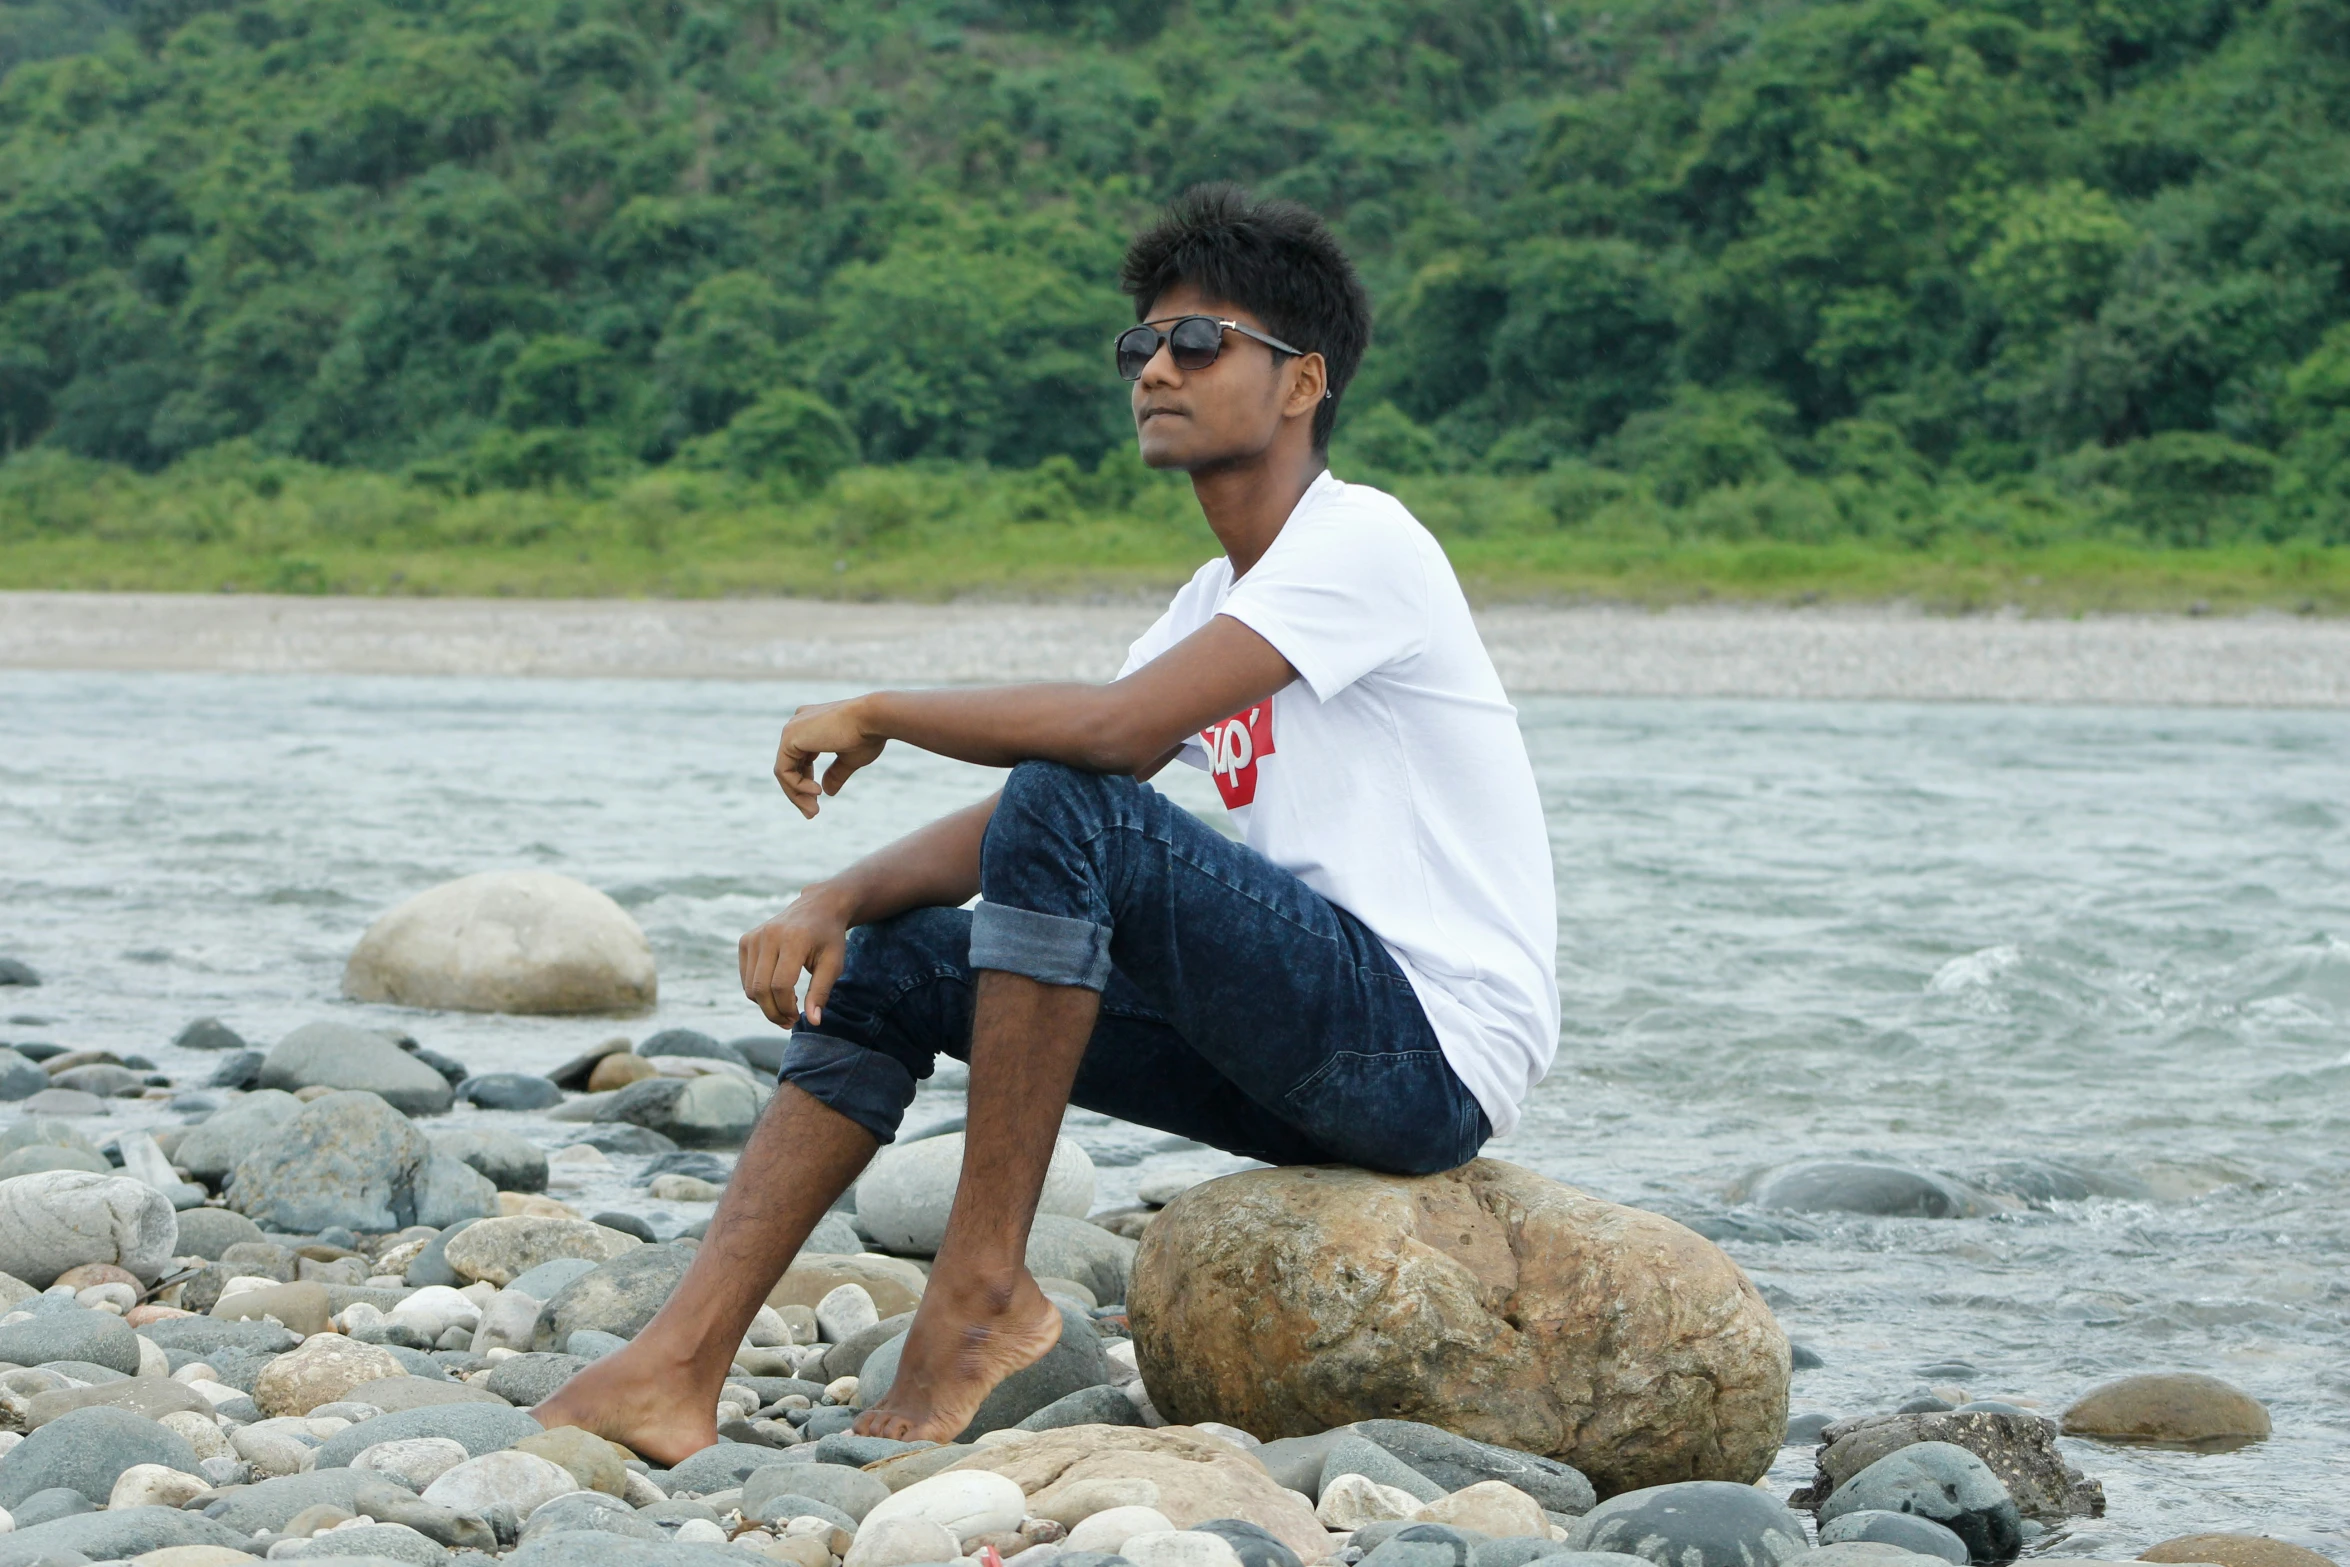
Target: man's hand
{"x":811,"y":937}
{"x":834,"y":729}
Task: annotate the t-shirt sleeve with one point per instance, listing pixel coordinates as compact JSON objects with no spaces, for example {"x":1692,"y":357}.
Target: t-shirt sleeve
{"x":1339,"y":599}
{"x":1159,"y":638}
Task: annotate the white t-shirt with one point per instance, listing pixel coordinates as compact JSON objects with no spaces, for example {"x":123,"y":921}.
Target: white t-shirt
{"x":1390,"y":777}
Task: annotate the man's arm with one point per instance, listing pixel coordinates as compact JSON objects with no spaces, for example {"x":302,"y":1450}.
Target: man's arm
{"x":1129,"y":726}
{"x":932,"y":867}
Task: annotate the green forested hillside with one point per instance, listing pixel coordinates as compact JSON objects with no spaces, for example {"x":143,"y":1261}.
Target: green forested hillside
{"x":311,"y":279}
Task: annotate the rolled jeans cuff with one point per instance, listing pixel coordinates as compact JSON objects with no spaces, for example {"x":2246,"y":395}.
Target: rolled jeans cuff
{"x":1052,"y":949}
{"x":866,"y":1085}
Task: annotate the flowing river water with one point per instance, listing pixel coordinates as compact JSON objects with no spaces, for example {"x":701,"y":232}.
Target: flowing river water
{"x":2095,"y":958}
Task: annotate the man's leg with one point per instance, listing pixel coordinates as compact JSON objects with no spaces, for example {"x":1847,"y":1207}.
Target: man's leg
{"x":1294,"y":1036}
{"x":982,"y":1316}
{"x":902,"y":997}
{"x":659,"y":1396}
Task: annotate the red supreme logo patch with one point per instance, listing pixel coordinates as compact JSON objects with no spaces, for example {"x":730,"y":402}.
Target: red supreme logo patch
{"x":1235,"y":746}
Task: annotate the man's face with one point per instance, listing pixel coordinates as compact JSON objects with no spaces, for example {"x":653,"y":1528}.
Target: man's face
{"x":1231,"y":411}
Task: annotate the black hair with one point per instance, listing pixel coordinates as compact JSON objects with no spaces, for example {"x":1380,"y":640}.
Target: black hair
{"x":1272,"y":258}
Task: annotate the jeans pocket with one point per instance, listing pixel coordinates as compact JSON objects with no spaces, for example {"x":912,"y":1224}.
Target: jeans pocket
{"x":1396,"y":1111}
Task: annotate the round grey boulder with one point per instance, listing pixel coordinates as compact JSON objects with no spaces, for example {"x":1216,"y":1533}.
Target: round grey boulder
{"x":508,"y":1162}
{"x":19,"y":1078}
{"x":1919,"y":1536}
{"x":86,"y":1450}
{"x":717,"y":1111}
{"x":351,"y":1160}
{"x":478,"y":1428}
{"x":60,"y":1219}
{"x":852,"y":1491}
{"x":509,"y":1091}
{"x":1694,"y":1523}
{"x":1860,"y":1186}
{"x":617,"y":1297}
{"x":591,"y":1511}
{"x":336,"y":1055}
{"x":209,"y":1033}
{"x":207,"y":1232}
{"x":1943,"y":1482}
{"x":215,"y":1144}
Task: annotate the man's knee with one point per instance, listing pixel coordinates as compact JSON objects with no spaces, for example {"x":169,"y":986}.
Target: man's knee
{"x":919,"y":941}
{"x":1057,"y":794}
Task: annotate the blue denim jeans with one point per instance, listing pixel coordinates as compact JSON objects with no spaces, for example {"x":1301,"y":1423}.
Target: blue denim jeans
{"x":1239,"y":1007}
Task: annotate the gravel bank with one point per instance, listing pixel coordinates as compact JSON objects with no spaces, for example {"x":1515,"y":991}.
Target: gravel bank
{"x":1838,"y":654}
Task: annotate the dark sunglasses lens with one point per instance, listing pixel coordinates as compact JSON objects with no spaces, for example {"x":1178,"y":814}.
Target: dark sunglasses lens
{"x":1197,"y":341}
{"x":1135,"y":347}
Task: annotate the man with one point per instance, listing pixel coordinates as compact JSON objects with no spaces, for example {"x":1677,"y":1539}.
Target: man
{"x":1367,"y":978}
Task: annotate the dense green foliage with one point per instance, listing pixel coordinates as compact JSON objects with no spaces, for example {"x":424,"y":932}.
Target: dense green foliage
{"x":1905,"y":270}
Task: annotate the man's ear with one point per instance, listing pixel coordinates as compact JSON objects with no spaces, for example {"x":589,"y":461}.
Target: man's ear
{"x":1309,"y":384}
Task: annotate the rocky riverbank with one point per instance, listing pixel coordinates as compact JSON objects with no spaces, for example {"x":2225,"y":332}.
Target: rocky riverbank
{"x":296,"y":1318}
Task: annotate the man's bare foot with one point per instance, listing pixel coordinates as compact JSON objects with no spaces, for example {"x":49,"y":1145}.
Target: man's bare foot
{"x":963,"y":1342}
{"x":645,"y":1403}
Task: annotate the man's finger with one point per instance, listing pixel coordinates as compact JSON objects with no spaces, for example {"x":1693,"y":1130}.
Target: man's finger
{"x":829,"y":959}
{"x":782,"y":984}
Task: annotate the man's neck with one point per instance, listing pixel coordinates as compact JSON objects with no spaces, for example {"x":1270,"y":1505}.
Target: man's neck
{"x":1247,"y":503}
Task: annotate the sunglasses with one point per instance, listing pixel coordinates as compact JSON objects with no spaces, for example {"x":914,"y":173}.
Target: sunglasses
{"x":1197,"y":341}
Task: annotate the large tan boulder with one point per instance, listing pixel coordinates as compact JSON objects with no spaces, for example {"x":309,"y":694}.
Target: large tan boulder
{"x":1487,"y":1300}
{"x":505,"y":941}
{"x":1198,"y":1477}
{"x":322,"y":1369}
{"x":2184,"y":1408}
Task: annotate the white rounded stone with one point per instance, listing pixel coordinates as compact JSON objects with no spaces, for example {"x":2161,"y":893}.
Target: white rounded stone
{"x":904,"y":1196}
{"x":53,"y":1220}
{"x":516,"y":1479}
{"x":1111,"y":1527}
{"x":435,"y":1309}
{"x":1179,"y":1548}
{"x":415,"y":1461}
{"x":154,"y":1485}
{"x":845,"y":1311}
{"x":901,"y":1542}
{"x":965,"y":1504}
{"x":1351,"y":1501}
{"x":506,"y":941}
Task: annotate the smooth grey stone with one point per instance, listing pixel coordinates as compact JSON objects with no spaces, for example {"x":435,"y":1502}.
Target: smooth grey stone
{"x":32,"y":1161}
{"x":225,"y":1472}
{"x":207,"y":1232}
{"x":626,"y":1224}
{"x":1076,"y":1361}
{"x":238,"y":1411}
{"x":240,"y":1069}
{"x":387,"y":1541}
{"x":526,"y":1380}
{"x":200,"y":1336}
{"x":546,"y":1281}
{"x":676,"y":1510}
{"x":588,"y":1344}
{"x":353,"y":1160}
{"x":622,"y":1138}
{"x":697,"y":1112}
{"x":1802,"y":1357}
{"x":44,"y":1131}
{"x":762,"y":1053}
{"x":209,"y":1033}
{"x":1399,"y":1542}
{"x":1920,"y":1535}
{"x":59,"y":1501}
{"x":1456,"y":1462}
{"x":590,"y":1511}
{"x":509,"y":1091}
{"x":619,"y":1296}
{"x":1060,"y":1247}
{"x":1865,"y":1187}
{"x":1295,"y":1462}
{"x":821,"y":1423}
{"x":1925,"y":1404}
{"x":850,"y":1492}
{"x":690,"y":1161}
{"x":720,"y":1467}
{"x":1937,"y":1480}
{"x":480,"y":1428}
{"x":449,"y":1189}
{"x":770,"y":1389}
{"x":64,"y":1101}
{"x":1993,"y":1406}
{"x":270,"y":1504}
{"x":387,"y":1502}
{"x":337,"y":1055}
{"x":580,"y":1548}
{"x":1694,"y":1523}
{"x":847,"y":1358}
{"x":574,"y":1073}
{"x":1255,"y":1545}
{"x":238,"y":1367}
{"x":19,"y":1078}
{"x":419,"y":1363}
{"x":432,"y":1264}
{"x":87,"y":1372}
{"x":1806,"y":1427}
{"x":107,"y":1082}
{"x":2041,"y":1182}
{"x":132,"y":1531}
{"x":689,"y":1042}
{"x":1088,"y":1406}
{"x":858,"y":1451}
{"x":86,"y":1449}
{"x":1516,"y":1551}
{"x":1356,"y":1455}
{"x":834,"y":1236}
{"x":96,"y":1336}
{"x":783,"y":1506}
{"x":506,"y":1161}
